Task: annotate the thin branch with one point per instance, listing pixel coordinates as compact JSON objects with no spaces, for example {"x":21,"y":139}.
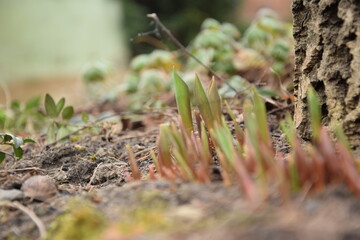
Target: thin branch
{"x":23,"y":170}
{"x":157,"y":21}
{"x":82,"y":128}
{"x":9,"y":154}
{"x":39,"y":224}
{"x":280,"y":109}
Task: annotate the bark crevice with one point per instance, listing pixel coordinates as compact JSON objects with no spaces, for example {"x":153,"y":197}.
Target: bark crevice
{"x":327,"y":49}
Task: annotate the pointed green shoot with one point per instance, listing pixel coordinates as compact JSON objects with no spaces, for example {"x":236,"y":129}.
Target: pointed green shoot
{"x":260,"y":116}
{"x":341,"y":137}
{"x":205,"y":143}
{"x":182,"y":95}
{"x":239,"y":132}
{"x":288,"y":127}
{"x":224,"y":142}
{"x":315,"y":113}
{"x":203,"y":104}
{"x":215,"y":101}
{"x":155,"y":161}
{"x":183,"y":164}
{"x":164,"y":146}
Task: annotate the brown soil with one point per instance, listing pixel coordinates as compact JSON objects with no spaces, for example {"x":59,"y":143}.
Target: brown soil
{"x":93,"y":168}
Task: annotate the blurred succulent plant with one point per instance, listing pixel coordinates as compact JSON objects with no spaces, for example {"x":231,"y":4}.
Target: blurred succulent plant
{"x":99,"y":79}
{"x":270,"y":37}
{"x":149,"y":78}
{"x":214,"y":46}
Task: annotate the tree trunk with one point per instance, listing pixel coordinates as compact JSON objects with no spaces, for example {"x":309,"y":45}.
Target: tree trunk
{"x":327,"y":50}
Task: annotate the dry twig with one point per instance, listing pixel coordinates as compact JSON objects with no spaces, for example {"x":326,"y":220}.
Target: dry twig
{"x":157,"y":21}
{"x":39,"y":224}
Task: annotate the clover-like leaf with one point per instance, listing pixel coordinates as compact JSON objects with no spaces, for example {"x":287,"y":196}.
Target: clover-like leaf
{"x":50,"y":106}
{"x":59,"y":106}
{"x":68,"y":113}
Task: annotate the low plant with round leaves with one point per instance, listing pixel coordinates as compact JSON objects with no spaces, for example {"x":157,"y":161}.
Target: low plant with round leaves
{"x":59,"y":116}
{"x":15,"y":142}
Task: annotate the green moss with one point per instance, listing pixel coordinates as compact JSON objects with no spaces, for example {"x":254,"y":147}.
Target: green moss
{"x":81,"y":221}
{"x":149,"y":215}
{"x":144,"y":220}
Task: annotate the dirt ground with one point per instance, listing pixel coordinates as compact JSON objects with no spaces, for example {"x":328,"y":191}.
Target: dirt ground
{"x":89,"y":173}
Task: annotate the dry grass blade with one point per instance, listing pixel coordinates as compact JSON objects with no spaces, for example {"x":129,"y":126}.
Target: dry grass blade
{"x":246,"y":182}
{"x":39,"y":224}
{"x":133,"y":165}
{"x":347,"y":164}
{"x":326,"y":148}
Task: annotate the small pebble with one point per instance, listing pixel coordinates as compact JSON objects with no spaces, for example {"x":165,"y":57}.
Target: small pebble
{"x":39,"y":188}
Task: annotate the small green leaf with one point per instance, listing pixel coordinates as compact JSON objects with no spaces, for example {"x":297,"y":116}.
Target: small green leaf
{"x":68,"y":113}
{"x":32,"y":103}
{"x":18,"y":152}
{"x":2,"y":156}
{"x":29,"y":140}
{"x":7,"y":137}
{"x":50,"y":106}
{"x":59,"y":106}
{"x":183,"y":101}
{"x":85,"y":117}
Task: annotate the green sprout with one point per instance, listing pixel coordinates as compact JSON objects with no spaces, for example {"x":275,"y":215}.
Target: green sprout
{"x":202,"y":102}
{"x":183,"y":101}
{"x":58,"y":128}
{"x":16,"y":144}
{"x":315,"y":113}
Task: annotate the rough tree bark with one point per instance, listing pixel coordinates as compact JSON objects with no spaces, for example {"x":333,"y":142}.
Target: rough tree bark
{"x":327,"y":50}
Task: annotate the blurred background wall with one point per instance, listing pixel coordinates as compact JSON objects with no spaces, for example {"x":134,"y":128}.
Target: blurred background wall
{"x":250,"y":7}
{"x":46,"y":44}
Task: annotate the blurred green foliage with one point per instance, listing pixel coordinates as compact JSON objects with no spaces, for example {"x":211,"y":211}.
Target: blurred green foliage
{"x":182,"y":17}
{"x":264,"y":50}
{"x":22,"y":116}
